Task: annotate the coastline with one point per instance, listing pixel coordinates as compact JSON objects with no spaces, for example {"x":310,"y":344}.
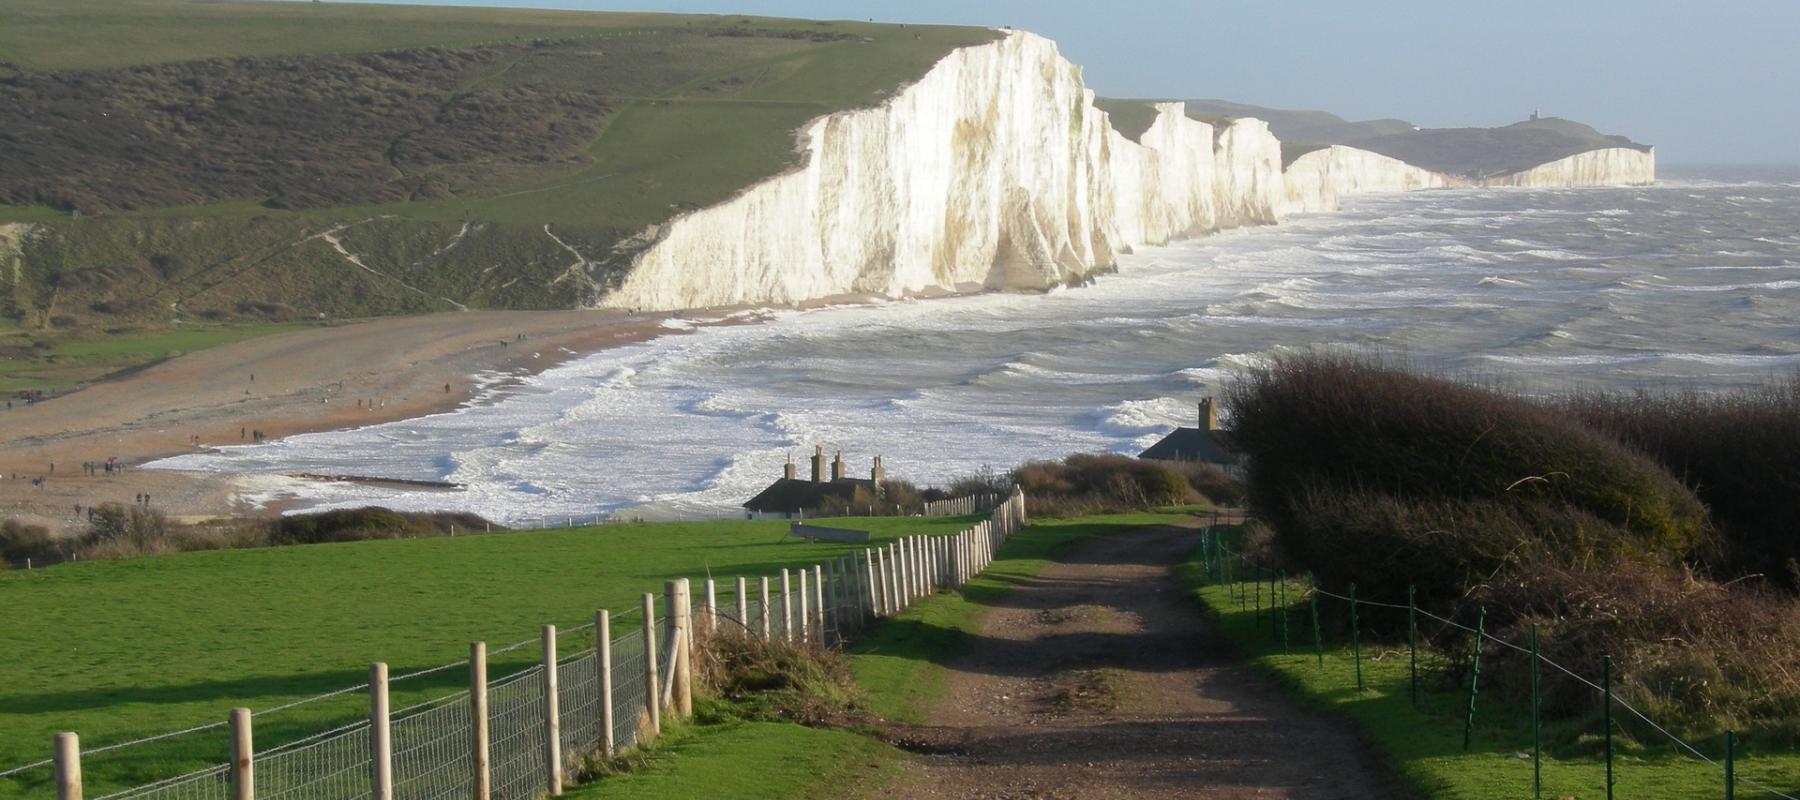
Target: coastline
{"x":327,"y":379}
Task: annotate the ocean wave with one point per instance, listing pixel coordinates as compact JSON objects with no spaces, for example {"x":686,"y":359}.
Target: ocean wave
{"x":1496,"y":280}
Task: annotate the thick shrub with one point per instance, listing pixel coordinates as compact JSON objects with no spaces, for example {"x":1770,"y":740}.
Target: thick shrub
{"x":20,"y":541}
{"x":1695,"y":655}
{"x":1090,"y":483}
{"x":1739,"y":451}
{"x":359,"y":524}
{"x":1341,"y":424}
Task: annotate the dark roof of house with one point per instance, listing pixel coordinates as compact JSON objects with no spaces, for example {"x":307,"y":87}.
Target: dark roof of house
{"x":789,"y":495}
{"x":1194,"y":444}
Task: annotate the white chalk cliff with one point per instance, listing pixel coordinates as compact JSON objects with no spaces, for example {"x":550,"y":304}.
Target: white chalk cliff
{"x":995,"y":170}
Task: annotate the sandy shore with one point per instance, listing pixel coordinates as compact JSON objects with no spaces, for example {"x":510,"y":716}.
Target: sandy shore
{"x":312,"y":380}
{"x":319,"y":379}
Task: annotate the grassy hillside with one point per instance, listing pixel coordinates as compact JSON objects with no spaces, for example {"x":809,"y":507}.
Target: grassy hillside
{"x":459,"y":157}
{"x":153,"y":644}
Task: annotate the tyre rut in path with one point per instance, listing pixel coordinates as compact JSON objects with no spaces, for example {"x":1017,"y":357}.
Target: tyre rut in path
{"x":1100,"y":678}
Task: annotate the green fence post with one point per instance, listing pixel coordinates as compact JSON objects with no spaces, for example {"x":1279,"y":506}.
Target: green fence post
{"x":1606,"y":717}
{"x":1284,"y":613}
{"x":1256,"y":581}
{"x":1537,"y":744}
{"x":1274,"y":619}
{"x":1412,"y":643}
{"x":1355,"y":639}
{"x":1313,"y":602}
{"x":1730,"y":765}
{"x":1474,"y":678}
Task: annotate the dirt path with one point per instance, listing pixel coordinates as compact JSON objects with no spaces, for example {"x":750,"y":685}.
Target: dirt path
{"x":1100,"y":679}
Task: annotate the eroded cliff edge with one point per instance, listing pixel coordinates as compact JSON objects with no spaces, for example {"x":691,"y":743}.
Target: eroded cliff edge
{"x":996,"y":170}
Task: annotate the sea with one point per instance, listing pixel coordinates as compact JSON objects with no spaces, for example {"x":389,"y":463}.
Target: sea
{"x":1691,"y":282}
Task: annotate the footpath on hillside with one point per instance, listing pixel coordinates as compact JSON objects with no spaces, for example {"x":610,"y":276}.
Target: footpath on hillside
{"x":1101,"y":678}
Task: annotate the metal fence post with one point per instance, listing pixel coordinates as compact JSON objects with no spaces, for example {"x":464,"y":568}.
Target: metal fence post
{"x":1412,"y":643}
{"x":603,"y":655}
{"x":1474,"y":677}
{"x":1355,"y":639}
{"x":1318,"y":636}
{"x":1730,"y":765}
{"x":1537,"y":744}
{"x":381,"y":736}
{"x":1606,"y":717}
{"x":553,"y":764}
{"x":1284,"y":614}
{"x":243,"y":756}
{"x":68,"y":766}
{"x":652,"y":692}
{"x":482,"y":779}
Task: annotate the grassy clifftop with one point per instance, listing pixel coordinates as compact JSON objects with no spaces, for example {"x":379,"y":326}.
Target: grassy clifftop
{"x":179,"y":159}
{"x":1464,"y":152}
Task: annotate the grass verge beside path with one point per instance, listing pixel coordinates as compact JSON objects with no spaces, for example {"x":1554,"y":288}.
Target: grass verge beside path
{"x":899,"y":663}
{"x":1423,"y":744}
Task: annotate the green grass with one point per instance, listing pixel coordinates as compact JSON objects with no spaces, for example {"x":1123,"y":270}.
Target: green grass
{"x":70,"y":359}
{"x":899,"y":663}
{"x":772,"y":760}
{"x":1423,"y":744}
{"x":118,"y":650}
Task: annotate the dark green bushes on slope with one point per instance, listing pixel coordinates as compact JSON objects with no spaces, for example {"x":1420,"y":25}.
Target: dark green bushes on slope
{"x":1740,"y":452}
{"x":1342,"y":448}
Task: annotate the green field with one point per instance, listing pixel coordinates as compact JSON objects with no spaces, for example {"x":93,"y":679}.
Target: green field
{"x":123,"y":649}
{"x":899,"y":663}
{"x":1424,"y":743}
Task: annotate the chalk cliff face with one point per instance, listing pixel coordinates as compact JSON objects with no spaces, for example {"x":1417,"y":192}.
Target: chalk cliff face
{"x":1613,"y":166}
{"x":994,"y":170}
{"x":1317,"y":179}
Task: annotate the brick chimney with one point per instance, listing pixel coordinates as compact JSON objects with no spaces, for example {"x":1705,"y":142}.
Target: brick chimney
{"x":818,"y":459}
{"x":787,"y":472}
{"x":837,"y":467}
{"x":877,"y":474}
{"x":1209,"y":415}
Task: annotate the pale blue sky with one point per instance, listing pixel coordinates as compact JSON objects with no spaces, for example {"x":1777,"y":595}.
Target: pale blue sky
{"x":1706,"y":82}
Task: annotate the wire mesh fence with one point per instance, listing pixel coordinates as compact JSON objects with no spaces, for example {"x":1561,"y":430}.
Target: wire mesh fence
{"x":432,"y":746}
{"x":1439,"y":655}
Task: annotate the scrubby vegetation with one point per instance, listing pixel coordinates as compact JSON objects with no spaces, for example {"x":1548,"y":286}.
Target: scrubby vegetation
{"x":1583,"y":517}
{"x":118,"y":531}
{"x":1091,"y":483}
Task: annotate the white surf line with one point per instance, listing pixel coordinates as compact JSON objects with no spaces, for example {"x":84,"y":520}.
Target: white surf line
{"x":337,"y":244}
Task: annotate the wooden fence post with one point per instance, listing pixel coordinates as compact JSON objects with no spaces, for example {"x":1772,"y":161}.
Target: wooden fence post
{"x":765,"y":608}
{"x":68,"y":766}
{"x":712,"y":606}
{"x":381,"y":736}
{"x":743,"y":605}
{"x":483,"y":778}
{"x":553,"y":763}
{"x":603,"y":654}
{"x":787,"y":607}
{"x":878,"y":581}
{"x":243,"y":756}
{"x":652,"y":692}
{"x":805,"y":610}
{"x":819,"y":600}
{"x":684,"y":644}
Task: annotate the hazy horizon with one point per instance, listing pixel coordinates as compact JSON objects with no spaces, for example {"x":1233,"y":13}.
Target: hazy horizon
{"x":1694,"y":80}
